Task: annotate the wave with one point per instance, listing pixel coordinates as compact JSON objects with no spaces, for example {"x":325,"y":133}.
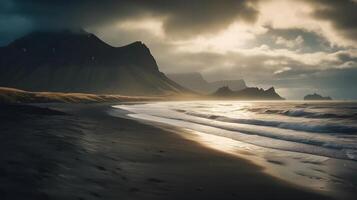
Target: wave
{"x":304,"y":113}
{"x":275,"y":138}
{"x":300,"y":126}
{"x":332,"y":138}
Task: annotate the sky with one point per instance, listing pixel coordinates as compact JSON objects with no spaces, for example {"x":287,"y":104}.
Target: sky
{"x":297,"y":46}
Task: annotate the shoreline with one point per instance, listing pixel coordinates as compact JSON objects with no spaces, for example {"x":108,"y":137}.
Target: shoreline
{"x":193,"y":136}
{"x":325,"y":175}
{"x":85,"y":153}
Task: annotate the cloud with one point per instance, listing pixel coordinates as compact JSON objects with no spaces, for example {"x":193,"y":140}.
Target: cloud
{"x":331,"y":19}
{"x":342,"y":15}
{"x":296,"y":45}
{"x":282,"y":70}
{"x":299,"y":38}
{"x":180,"y":18}
{"x":263,"y":65}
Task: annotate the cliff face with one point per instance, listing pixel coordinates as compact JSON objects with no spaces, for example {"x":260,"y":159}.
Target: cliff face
{"x":69,"y":61}
{"x":248,"y":94}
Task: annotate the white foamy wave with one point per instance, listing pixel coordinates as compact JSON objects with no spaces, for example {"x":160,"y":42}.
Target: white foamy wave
{"x":351,"y":154}
{"x":304,"y":113}
{"x":299,"y":126}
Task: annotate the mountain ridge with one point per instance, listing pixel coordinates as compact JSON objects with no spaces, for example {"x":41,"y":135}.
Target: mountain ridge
{"x":67,"y":61}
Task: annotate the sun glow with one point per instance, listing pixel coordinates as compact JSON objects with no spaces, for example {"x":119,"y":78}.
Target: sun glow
{"x":235,"y":37}
{"x":150,"y":25}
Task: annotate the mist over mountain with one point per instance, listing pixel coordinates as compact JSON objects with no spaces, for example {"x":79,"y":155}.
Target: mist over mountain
{"x":196,"y":82}
{"x":78,"y":61}
{"x":250,"y":93}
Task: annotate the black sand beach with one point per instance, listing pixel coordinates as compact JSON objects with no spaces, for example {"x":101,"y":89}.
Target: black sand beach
{"x":80,"y":152}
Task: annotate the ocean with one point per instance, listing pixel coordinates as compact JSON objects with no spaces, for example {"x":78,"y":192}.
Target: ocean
{"x":307,"y":143}
{"x":318,"y":128}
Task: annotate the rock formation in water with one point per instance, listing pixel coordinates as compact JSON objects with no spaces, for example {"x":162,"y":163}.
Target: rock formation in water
{"x":251,"y":93}
{"x":316,"y":97}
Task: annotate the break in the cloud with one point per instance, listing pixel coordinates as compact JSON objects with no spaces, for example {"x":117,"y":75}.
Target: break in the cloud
{"x":293,"y":43}
{"x":299,"y":46}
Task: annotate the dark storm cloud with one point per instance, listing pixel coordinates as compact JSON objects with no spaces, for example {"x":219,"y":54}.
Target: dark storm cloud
{"x":342,"y":14}
{"x":180,"y":17}
{"x":345,"y":57}
{"x":271,"y":55}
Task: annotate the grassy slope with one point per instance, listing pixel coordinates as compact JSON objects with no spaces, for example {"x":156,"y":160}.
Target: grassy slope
{"x":11,"y":95}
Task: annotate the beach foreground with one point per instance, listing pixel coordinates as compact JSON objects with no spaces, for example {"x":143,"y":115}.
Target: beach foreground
{"x":80,"y":152}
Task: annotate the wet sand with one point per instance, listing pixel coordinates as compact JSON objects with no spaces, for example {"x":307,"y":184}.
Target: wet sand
{"x":81,"y":152}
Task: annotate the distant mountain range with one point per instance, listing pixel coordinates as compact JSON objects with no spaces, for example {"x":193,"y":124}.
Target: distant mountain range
{"x":316,"y":97}
{"x":252,"y":93}
{"x":197,"y":83}
{"x":68,"y":61}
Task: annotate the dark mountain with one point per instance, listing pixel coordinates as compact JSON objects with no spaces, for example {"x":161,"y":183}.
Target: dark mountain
{"x":316,"y":97}
{"x":196,"y":82}
{"x":248,"y":94}
{"x":68,"y":61}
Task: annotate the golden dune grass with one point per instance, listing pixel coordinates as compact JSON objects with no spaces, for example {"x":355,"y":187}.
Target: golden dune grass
{"x":11,"y":95}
